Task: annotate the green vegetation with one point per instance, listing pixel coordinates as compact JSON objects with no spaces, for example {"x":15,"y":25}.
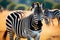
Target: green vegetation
{"x":21,"y":7}
{"x":4,"y":3}
{"x":11,"y":6}
{"x":48,"y":5}
{"x":22,"y":4}
{"x":0,"y":0}
{"x":56,"y":6}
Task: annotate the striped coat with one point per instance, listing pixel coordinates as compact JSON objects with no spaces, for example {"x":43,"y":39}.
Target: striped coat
{"x":50,"y":15}
{"x":21,"y":26}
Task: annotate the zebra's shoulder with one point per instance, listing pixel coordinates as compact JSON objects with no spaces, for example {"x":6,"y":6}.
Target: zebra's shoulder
{"x":14,"y":13}
{"x":26,"y":13}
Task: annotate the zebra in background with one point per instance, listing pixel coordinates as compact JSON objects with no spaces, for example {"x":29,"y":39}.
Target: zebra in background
{"x":24,"y":27}
{"x":50,"y":15}
{"x":58,"y":17}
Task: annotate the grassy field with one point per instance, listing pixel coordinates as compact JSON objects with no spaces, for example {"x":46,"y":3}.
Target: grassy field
{"x":48,"y":32}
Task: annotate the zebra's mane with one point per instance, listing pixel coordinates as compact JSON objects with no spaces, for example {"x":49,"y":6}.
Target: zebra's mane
{"x":26,"y":14}
{"x":53,"y":9}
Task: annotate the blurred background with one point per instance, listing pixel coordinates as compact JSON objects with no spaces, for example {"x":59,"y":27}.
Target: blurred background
{"x":48,"y":32}
{"x":25,"y":4}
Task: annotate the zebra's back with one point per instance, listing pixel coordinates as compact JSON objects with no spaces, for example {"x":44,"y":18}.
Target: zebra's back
{"x":18,"y":25}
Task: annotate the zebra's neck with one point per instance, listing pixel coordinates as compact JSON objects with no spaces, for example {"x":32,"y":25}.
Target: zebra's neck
{"x":34,"y":22}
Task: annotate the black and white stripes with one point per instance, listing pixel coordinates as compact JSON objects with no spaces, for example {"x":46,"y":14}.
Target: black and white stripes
{"x":50,"y":15}
{"x":24,"y":27}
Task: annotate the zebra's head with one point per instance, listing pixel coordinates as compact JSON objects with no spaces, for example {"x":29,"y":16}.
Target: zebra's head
{"x":37,"y":10}
{"x":37,"y":14}
{"x":36,"y":7}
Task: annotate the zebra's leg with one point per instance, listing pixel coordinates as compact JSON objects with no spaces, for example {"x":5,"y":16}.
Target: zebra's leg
{"x":52,"y":21}
{"x":29,"y":38}
{"x":47,"y":21}
{"x":37,"y":37}
{"x":11,"y":34}
{"x":58,"y":21}
{"x":17,"y":38}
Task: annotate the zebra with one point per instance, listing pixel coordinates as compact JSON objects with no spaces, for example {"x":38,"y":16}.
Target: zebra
{"x":28,"y":27}
{"x":58,"y":16}
{"x":50,"y":15}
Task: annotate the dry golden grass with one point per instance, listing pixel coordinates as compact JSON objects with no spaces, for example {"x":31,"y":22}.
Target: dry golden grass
{"x":49,"y":32}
